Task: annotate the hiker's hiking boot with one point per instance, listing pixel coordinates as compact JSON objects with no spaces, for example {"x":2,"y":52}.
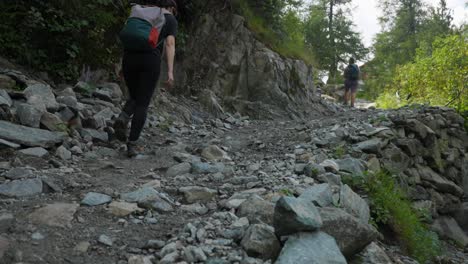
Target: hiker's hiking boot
{"x":134,"y":149}
{"x":121,"y":126}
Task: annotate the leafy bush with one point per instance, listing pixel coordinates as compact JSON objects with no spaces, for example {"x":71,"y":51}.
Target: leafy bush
{"x":287,"y":39}
{"x":390,"y":206}
{"x":59,"y":36}
{"x":440,"y":78}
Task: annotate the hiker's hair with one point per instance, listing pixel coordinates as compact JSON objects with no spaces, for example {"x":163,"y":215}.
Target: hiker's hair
{"x":351,"y":60}
{"x":167,"y":3}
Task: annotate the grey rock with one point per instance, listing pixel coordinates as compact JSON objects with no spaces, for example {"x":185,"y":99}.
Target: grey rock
{"x":155,"y":244}
{"x":194,"y":254}
{"x":313,"y":170}
{"x":394,"y":160}
{"x":55,"y":215}
{"x":311,"y":248}
{"x":18,"y":173}
{"x":36,"y":152}
{"x":8,"y":144}
{"x":104,"y":95}
{"x":294,"y":215}
{"x":214,"y":153}
{"x":5,"y":98}
{"x":63,"y":153}
{"x":260,"y":242}
{"x":354,"y":204}
{"x":178,"y":169}
{"x":462,"y":216}
{"x":203,"y":168}
{"x":373,"y":145}
{"x":320,"y":195}
{"x":94,"y":135}
{"x":113,"y":89}
{"x":352,"y":166}
{"x":6,"y":222}
{"x":52,"y":122}
{"x":4,"y":246}
{"x":157,"y":204}
{"x":140,"y":195}
{"x":372,"y":254}
{"x":37,"y":236}
{"x":197,"y":194}
{"x":257,"y":210}
{"x":23,"y":188}
{"x":102,"y":117}
{"x":330,"y":166}
{"x":29,"y":115}
{"x":69,"y":101}
{"x":441,"y":184}
{"x":448,"y":228}
{"x":45,"y":93}
{"x":66,"y":114}
{"x":170,"y":258}
{"x":105,"y":240}
{"x":195,"y":208}
{"x":351,"y":234}
{"x":93,"y":199}
{"x":27,"y":136}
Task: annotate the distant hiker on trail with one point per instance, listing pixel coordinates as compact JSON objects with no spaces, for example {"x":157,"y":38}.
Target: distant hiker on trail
{"x":351,"y":75}
{"x":149,"y":29}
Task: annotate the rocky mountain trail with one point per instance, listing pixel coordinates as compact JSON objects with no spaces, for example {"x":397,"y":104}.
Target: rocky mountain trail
{"x":214,"y":187}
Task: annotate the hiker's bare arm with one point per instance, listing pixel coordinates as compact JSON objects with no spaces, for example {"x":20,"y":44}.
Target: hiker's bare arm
{"x":170,"y":54}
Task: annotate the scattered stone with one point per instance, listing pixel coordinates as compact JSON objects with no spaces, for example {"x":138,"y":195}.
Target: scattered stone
{"x":57,"y":215}
{"x":330,"y":166}
{"x":170,"y":258}
{"x":82,"y":247}
{"x":140,"y":259}
{"x":94,"y":135}
{"x":257,"y":210}
{"x":105,"y":240}
{"x":6,"y":221}
{"x":294,"y":215}
{"x":5,"y":98}
{"x":22,"y":188}
{"x":310,"y":248}
{"x":353,"y":166}
{"x":195,"y":208}
{"x":203,"y":168}
{"x":214,"y":153}
{"x":373,"y":145}
{"x":28,"y":136}
{"x":63,"y":153}
{"x":37,"y":236}
{"x":4,"y":246}
{"x":260,"y":242}
{"x":350,"y":233}
{"x":194,"y":254}
{"x":123,"y":208}
{"x":179,"y":169}
{"x":197,"y":194}
{"x":18,"y":173}
{"x":94,"y":199}
{"x":140,"y":195}
{"x":157,"y":204}
{"x":155,"y":244}
{"x":36,"y":152}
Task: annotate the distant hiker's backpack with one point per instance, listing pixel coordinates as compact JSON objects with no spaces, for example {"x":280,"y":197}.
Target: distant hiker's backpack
{"x":352,"y":72}
{"x":143,"y":27}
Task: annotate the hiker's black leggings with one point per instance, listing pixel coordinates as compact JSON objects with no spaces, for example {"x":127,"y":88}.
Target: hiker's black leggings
{"x":141,"y":72}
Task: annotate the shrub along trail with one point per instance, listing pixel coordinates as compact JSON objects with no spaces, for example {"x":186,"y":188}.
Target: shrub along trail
{"x":206,"y":190}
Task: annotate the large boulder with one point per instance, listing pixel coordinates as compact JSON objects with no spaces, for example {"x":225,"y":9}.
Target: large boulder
{"x":351,"y":234}
{"x":260,"y":242}
{"x":354,"y":204}
{"x":257,"y":210}
{"x":31,"y":137}
{"x":22,"y":188}
{"x":448,"y":228}
{"x":294,"y":215}
{"x":44,"y":94}
{"x":320,"y":195}
{"x":311,"y":248}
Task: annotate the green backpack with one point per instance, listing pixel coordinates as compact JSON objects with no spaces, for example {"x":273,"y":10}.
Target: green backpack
{"x":143,"y":28}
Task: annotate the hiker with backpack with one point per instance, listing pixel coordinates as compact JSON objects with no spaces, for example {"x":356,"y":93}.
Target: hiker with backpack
{"x":351,"y":75}
{"x":150,"y":29}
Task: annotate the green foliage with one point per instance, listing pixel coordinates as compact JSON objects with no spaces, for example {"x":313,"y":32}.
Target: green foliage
{"x":287,"y":192}
{"x":438,"y":79}
{"x":281,"y":31}
{"x":58,"y":36}
{"x":339,"y":151}
{"x":390,"y":206}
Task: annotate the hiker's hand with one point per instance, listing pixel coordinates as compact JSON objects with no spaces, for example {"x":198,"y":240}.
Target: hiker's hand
{"x":170,"y":80}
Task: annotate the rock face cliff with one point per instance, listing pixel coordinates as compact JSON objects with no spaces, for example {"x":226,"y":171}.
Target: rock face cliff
{"x":225,"y":62}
